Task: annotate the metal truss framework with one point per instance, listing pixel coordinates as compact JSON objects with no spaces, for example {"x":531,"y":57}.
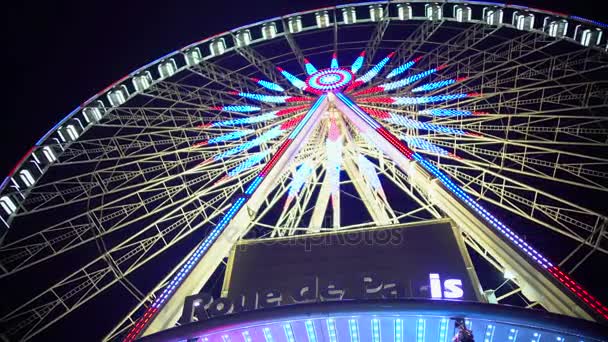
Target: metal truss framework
{"x":147,"y":180}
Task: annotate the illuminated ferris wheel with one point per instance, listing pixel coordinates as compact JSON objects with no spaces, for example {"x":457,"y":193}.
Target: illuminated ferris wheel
{"x":356,"y":116}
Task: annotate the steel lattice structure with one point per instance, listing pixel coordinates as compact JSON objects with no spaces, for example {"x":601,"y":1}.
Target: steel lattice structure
{"x":488,"y":114}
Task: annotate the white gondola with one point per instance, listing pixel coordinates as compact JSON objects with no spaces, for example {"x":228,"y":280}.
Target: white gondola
{"x":349,"y":15}
{"x":376,"y":12}
{"x":492,"y":15}
{"x":269,"y":30}
{"x":588,"y":36}
{"x":217,"y":46}
{"x":167,"y":68}
{"x":404,"y":11}
{"x":523,"y":21}
{"x":118,"y":95}
{"x":433,"y":11}
{"x":294,"y":24}
{"x":322,"y":19}
{"x":555,"y":28}
{"x":193,"y":56}
{"x":8,"y":205}
{"x":242,"y":38}
{"x":462,"y":13}
{"x":142,"y":81}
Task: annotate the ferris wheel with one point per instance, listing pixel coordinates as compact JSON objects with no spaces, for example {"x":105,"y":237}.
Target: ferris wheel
{"x":355,"y":116}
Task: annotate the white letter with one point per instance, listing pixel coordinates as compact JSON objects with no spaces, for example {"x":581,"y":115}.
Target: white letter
{"x":435,"y":285}
{"x":453,"y":288}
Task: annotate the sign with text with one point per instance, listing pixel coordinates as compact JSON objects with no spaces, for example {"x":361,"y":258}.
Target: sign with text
{"x":410,"y":261}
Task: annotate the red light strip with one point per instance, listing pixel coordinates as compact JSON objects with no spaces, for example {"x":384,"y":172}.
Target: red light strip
{"x":290,"y":110}
{"x":579,"y":291}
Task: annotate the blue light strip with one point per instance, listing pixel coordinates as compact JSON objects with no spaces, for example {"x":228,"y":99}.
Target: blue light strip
{"x":420,"y":329}
{"x":310,"y":69}
{"x":427,"y":99}
{"x":334,"y":62}
{"x":423,"y":144}
{"x":357,"y":64}
{"x":301,"y":175}
{"x":513,"y":335}
{"x":434,"y":85}
{"x":353,"y":329}
{"x":230,"y":136}
{"x":310,"y":331}
{"x":400,"y":69}
{"x":446,"y":112}
{"x":239,"y":109}
{"x":373,"y":71}
{"x":415,"y":124}
{"x":296,"y":82}
{"x":489,"y":335}
{"x":265,"y":98}
{"x":267,"y":335}
{"x":376,"y":337}
{"x":270,"y":85}
{"x":289,"y":333}
{"x":406,"y":81}
{"x":245,"y":121}
{"x":305,"y":119}
{"x":443,"y":330}
{"x":331,"y":330}
{"x":398,"y":326}
{"x":268,"y":135}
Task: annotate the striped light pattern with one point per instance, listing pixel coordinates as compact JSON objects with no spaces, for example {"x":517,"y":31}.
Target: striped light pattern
{"x":376,"y":337}
{"x":246,"y":121}
{"x":264,"y":98}
{"x":420,"y":329}
{"x":428,"y":99}
{"x":238,"y":109}
{"x":310,"y":69}
{"x":299,"y":178}
{"x":246,"y":336}
{"x":268,"y":135}
{"x":423,"y":144}
{"x":267,"y":335}
{"x":296,"y":82}
{"x":334,"y":61}
{"x":408,"y":80}
{"x":415,"y":124}
{"x":443,"y":330}
{"x":489,"y":334}
{"x":358,"y":63}
{"x":402,"y":68}
{"x":436,"y":85}
{"x":353,"y":329}
{"x":513,"y":334}
{"x":310,"y":331}
{"x":289,"y":333}
{"x":331,"y":330}
{"x":398,"y":326}
{"x":249,"y":162}
{"x":446,"y":112}
{"x":371,"y":73}
{"x":268,"y":85}
{"x":225,"y":338}
{"x":230,"y":136}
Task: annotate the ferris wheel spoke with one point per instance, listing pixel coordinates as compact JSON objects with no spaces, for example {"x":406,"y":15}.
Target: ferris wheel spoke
{"x":531,"y":163}
{"x":100,"y":274}
{"x":102,"y":220}
{"x":262,"y":64}
{"x":557,"y":214}
{"x":374,"y":41}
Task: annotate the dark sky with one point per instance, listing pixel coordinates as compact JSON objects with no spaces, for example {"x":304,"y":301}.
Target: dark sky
{"x":62,"y":52}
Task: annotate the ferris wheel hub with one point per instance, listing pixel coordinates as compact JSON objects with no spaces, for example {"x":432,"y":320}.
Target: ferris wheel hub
{"x":330,"y":79}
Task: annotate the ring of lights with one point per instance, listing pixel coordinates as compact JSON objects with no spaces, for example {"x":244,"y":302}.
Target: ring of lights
{"x":330,"y":79}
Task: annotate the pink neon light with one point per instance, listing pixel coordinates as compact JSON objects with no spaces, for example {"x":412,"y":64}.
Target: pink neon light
{"x":292,"y":122}
{"x":299,"y":99}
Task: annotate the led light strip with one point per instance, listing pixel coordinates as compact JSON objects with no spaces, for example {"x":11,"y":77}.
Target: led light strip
{"x":296,"y":82}
{"x":402,"y":68}
{"x":371,"y":73}
{"x":398,"y":334}
{"x":420,"y":330}
{"x":358,"y":63}
{"x":490,"y":333}
{"x":268,"y":85}
{"x":443,"y":330}
{"x":213,"y":235}
{"x":331,"y":330}
{"x":310,"y":69}
{"x":310,"y":331}
{"x":267,"y":334}
{"x":289,"y":333}
{"x":238,"y":109}
{"x":437,"y":85}
{"x":353,"y":328}
{"x":334,"y":61}
{"x":376,"y":337}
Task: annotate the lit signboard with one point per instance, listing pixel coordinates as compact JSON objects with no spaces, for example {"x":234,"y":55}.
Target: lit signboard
{"x":426,"y":260}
